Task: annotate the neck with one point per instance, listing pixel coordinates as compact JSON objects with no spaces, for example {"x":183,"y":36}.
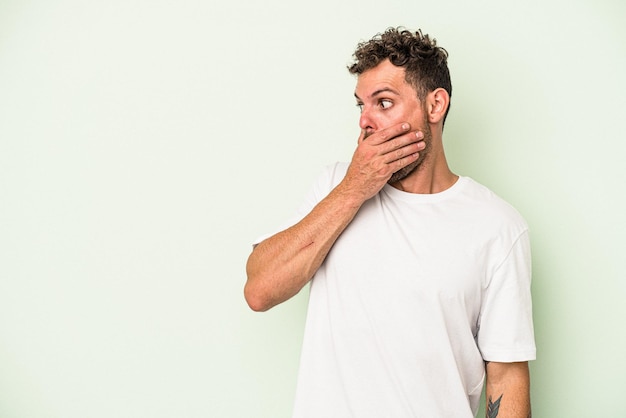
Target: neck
{"x":432,"y":176}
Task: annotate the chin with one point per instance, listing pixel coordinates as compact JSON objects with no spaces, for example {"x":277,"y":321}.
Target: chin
{"x":405,"y":172}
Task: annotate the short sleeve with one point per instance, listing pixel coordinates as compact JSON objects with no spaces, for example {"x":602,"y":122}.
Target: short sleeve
{"x":505,"y":328}
{"x":325,"y":182}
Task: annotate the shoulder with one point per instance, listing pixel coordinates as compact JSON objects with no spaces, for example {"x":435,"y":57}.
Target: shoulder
{"x":331,"y":176}
{"x":337,"y":171}
{"x":490,"y":207}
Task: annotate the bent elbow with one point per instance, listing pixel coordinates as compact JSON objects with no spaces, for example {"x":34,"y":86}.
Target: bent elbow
{"x":255,"y":299}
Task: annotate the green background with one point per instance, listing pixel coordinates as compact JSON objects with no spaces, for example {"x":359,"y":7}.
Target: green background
{"x":145,"y":144}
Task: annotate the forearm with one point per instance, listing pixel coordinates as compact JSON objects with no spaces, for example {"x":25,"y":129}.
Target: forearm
{"x":282,"y":265}
{"x":508,"y":390}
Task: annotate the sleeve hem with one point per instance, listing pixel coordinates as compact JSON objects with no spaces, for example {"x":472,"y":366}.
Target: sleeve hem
{"x":510,"y":356}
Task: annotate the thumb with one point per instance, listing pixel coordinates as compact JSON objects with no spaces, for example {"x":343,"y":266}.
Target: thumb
{"x":362,"y":136}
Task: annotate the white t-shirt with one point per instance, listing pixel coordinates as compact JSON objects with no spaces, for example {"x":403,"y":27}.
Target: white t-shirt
{"x":415,"y":294}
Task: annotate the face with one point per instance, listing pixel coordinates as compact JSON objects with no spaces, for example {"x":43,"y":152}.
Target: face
{"x":385,"y":99}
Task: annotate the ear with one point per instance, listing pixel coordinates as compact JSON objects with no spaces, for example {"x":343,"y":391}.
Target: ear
{"x":437,"y":103}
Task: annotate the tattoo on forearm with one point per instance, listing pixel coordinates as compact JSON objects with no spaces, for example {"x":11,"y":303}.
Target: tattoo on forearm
{"x":493,"y":407}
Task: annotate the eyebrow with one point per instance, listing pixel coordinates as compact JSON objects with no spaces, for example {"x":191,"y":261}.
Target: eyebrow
{"x":379,"y":91}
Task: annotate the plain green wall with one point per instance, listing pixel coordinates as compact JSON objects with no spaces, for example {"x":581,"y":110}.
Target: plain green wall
{"x":145,"y":144}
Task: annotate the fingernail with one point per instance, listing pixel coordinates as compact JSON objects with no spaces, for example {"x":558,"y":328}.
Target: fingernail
{"x":405,"y":126}
{"x":419,"y":134}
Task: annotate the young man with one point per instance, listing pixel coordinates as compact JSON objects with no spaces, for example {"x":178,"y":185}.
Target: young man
{"x":420,"y":279}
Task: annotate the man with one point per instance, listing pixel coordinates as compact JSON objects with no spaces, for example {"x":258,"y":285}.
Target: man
{"x":420,"y":279}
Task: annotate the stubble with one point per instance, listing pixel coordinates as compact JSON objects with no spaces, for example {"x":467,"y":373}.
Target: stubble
{"x":414,"y":166}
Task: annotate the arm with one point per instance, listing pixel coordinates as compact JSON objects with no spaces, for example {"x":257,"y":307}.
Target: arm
{"x":282,"y":265}
{"x":508,"y":390}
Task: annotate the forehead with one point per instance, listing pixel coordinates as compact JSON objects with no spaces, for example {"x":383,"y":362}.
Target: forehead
{"x":384,"y":76}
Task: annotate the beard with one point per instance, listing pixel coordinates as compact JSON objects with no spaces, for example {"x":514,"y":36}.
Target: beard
{"x":415,"y":165}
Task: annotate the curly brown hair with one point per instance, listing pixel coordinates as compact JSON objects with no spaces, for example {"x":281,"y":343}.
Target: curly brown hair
{"x":425,"y":63}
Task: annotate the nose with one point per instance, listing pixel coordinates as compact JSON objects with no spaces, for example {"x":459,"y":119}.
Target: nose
{"x":366,"y":121}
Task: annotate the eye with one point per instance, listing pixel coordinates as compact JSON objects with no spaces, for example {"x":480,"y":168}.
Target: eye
{"x":360,"y":107}
{"x":385,"y":104}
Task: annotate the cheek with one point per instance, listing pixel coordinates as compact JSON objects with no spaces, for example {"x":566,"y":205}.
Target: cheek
{"x":393,"y":117}
{"x":418,"y":119}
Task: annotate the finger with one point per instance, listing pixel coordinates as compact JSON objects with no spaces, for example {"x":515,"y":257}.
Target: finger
{"x":399,"y":142}
{"x":399,"y":164}
{"x":404,"y":151}
{"x":386,"y":134}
